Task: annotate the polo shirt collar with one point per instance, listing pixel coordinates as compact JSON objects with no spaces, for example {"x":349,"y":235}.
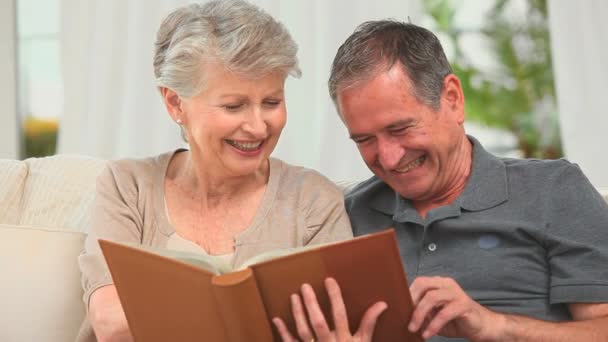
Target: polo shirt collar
{"x":487,"y":185}
{"x":486,"y":188}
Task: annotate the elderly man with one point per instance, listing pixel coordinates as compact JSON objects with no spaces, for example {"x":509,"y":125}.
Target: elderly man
{"x":498,"y":249}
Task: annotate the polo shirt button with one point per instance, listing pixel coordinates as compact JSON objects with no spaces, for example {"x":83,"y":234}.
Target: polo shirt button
{"x":432,"y":247}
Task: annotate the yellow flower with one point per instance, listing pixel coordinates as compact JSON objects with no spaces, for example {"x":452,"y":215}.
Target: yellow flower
{"x":36,"y":127}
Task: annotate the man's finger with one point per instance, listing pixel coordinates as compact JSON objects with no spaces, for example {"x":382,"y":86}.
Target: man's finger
{"x":427,"y":305}
{"x":421,"y":285}
{"x":439,"y":320}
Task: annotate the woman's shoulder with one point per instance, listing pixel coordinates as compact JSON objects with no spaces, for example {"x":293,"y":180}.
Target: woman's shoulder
{"x":303,"y":179}
{"x":136,"y":170}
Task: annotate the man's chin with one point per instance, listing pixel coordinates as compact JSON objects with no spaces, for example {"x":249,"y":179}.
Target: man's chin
{"x":407,"y":191}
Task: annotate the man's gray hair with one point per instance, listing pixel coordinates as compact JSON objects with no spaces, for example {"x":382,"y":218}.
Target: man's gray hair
{"x":239,"y":35}
{"x":376,"y":46}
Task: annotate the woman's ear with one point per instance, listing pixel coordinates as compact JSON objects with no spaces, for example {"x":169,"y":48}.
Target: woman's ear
{"x":453,"y":97}
{"x":173,"y":103}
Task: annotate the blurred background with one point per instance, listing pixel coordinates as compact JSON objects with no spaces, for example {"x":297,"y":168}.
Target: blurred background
{"x":78,"y":77}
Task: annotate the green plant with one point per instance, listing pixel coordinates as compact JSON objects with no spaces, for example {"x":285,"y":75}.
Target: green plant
{"x":519,"y":96}
{"x":40,"y":137}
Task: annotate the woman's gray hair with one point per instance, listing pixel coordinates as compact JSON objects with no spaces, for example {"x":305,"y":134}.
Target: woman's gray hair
{"x":376,"y":46}
{"x":239,"y":35}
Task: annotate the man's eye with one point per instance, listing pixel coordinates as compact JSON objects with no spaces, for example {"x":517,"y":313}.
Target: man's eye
{"x":398,"y":130}
{"x":362,"y":140}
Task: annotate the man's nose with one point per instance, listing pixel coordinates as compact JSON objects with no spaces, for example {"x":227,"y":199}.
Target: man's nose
{"x":390,"y":153}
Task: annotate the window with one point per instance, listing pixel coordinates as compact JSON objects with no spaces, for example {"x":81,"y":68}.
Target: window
{"x":500,"y":50}
{"x":40,"y":93}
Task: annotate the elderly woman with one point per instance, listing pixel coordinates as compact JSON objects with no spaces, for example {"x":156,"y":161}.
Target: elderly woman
{"x":221,"y":69}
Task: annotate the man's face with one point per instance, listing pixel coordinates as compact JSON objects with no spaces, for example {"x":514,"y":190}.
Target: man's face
{"x":406,"y":143}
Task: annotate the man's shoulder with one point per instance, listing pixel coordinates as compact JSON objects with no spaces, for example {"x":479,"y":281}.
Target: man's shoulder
{"x":538,"y":170}
{"x":366,"y":194}
{"x":548,"y":180}
{"x":536,"y":164}
{"x":369,"y":206}
{"x":365,"y":190}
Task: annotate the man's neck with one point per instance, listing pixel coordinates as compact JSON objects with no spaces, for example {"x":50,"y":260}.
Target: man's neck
{"x":455,"y":182}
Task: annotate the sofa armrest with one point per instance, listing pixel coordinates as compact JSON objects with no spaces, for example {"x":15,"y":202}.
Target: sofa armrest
{"x":40,"y":289}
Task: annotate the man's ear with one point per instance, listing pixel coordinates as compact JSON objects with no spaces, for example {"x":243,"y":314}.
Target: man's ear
{"x":452,"y":97}
{"x":173,"y":103}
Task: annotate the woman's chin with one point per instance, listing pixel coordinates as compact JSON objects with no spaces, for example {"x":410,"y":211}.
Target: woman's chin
{"x":246,"y":166}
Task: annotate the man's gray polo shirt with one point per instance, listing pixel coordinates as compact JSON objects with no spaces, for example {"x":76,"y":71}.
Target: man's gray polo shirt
{"x":525,"y":236}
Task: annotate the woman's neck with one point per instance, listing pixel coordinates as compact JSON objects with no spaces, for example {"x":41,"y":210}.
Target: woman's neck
{"x":212,"y":186}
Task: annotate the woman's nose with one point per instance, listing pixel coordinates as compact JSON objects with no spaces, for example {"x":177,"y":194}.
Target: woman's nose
{"x":255,"y":124}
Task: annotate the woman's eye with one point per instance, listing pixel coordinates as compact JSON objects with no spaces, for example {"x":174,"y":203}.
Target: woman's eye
{"x":272,"y":103}
{"x":233,"y":107}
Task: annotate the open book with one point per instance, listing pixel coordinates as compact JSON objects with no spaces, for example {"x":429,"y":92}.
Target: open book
{"x":173,"y":296}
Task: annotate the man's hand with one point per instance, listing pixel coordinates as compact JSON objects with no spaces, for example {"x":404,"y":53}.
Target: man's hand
{"x":443,"y":308}
{"x":320,"y":329}
{"x":107,"y":316}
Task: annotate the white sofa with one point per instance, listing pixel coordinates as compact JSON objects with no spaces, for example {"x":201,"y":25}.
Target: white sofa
{"x":44,"y":205}
{"x":44,"y":214}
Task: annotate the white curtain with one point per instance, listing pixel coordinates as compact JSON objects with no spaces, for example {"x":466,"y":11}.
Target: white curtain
{"x":112,"y":109}
{"x":9,"y":125}
{"x":579,"y":40}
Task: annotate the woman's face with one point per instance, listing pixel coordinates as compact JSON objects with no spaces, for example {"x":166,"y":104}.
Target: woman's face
{"x":234,"y":123}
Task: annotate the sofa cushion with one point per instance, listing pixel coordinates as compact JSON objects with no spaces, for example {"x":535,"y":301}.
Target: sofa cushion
{"x":40,"y":288}
{"x":604,"y":192}
{"x":59,"y":191}
{"x":12,"y":179}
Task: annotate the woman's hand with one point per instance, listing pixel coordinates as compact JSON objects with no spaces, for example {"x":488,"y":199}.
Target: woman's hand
{"x":320,"y":329}
{"x":107,"y":316}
